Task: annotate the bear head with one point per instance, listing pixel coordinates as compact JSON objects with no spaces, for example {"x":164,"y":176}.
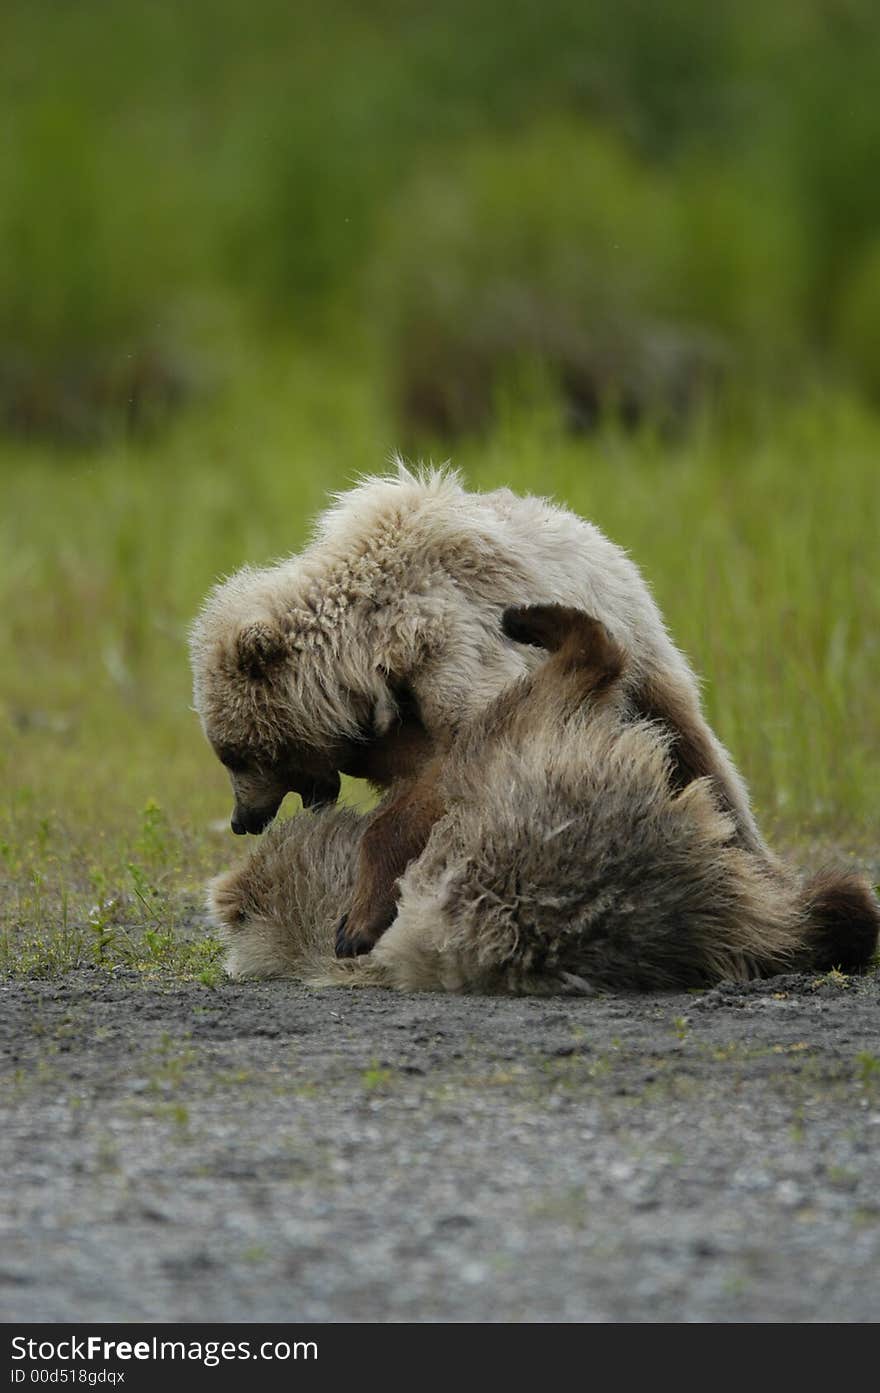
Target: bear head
{"x":288,"y":703}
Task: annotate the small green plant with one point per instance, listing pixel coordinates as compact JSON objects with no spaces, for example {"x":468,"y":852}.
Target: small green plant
{"x":256,"y":1253}
{"x":376,"y":1077}
{"x":210,"y":976}
{"x":154,"y":841}
{"x":179,"y":1115}
{"x":102,"y":925}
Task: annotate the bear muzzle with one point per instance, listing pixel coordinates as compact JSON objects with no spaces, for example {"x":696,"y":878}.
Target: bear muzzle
{"x":253,"y":820}
{"x":314,"y":792}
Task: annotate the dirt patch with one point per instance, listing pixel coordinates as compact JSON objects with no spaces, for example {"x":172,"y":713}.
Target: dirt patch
{"x":263,"y":1152}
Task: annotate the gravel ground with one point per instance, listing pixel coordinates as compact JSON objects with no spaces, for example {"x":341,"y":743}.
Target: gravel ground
{"x":263,"y":1152}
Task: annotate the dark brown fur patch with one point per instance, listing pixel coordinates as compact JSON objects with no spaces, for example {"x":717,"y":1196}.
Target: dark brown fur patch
{"x":397,"y":835}
{"x":691,"y":752}
{"x":386,"y":759}
{"x":843,"y":920}
{"x":578,"y":642}
{"x":258,"y":647}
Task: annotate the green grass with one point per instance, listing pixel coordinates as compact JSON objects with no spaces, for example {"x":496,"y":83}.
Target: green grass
{"x":758,"y":538}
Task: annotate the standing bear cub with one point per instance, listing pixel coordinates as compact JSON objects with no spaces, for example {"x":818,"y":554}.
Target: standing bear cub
{"x":562,"y":856}
{"x":367,"y":653}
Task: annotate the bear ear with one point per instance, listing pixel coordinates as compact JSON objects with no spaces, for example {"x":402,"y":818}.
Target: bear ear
{"x":259,"y":647}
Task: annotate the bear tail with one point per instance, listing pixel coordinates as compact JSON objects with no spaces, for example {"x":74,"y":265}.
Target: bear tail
{"x":842,"y":921}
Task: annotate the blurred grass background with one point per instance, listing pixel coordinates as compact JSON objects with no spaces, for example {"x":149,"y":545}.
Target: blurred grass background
{"x":627,"y":255}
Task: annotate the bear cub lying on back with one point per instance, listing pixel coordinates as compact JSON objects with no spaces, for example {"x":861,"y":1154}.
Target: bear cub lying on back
{"x":562,"y":853}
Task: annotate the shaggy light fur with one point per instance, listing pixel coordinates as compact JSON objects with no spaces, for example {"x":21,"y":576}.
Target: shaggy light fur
{"x":567,"y":861}
{"x":395,"y":607}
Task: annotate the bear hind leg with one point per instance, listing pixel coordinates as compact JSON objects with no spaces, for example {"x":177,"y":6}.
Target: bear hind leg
{"x":580,"y":646}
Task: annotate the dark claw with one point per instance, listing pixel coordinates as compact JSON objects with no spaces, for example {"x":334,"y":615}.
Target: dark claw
{"x":343,"y":947}
{"x":350,"y":947}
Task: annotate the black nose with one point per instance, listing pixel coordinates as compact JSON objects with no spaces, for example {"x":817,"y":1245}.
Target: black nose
{"x":252,"y":820}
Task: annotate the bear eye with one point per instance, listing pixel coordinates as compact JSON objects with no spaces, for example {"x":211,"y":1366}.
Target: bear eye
{"x":232,"y":760}
{"x":405,"y":699}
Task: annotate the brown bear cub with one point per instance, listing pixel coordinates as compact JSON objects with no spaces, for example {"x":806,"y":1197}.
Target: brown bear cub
{"x":560,"y":848}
